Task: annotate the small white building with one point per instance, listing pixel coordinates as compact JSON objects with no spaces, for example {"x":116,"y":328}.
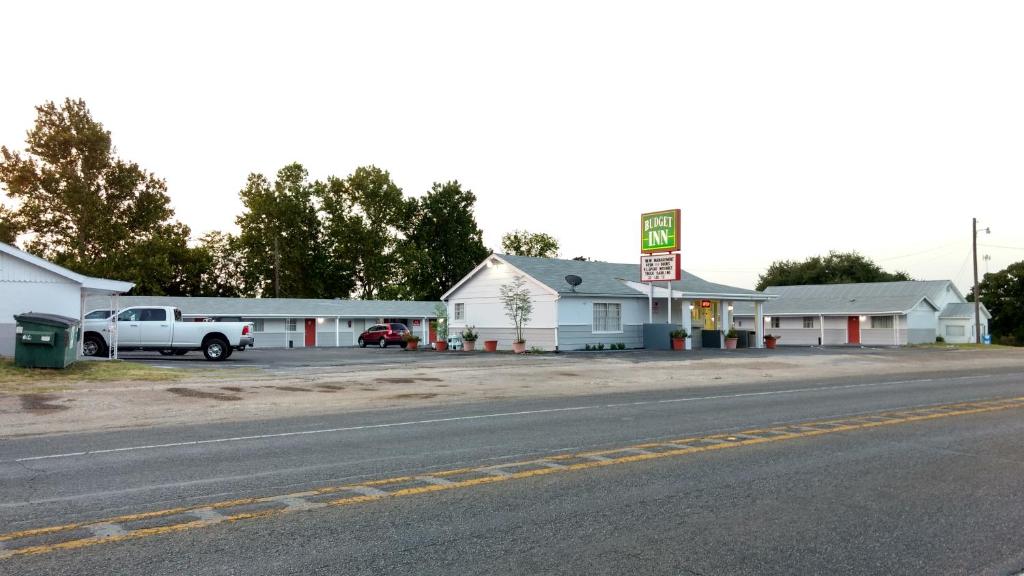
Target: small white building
{"x":610,"y":306}
{"x":876,"y":313}
{"x":296,"y":322}
{"x":32,"y":284}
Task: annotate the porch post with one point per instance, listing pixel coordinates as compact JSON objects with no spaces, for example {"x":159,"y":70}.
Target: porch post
{"x":337,"y":331}
{"x":821,"y":326}
{"x":759,"y":324}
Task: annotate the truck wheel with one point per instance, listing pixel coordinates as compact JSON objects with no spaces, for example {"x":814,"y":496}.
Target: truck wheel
{"x":216,"y":349}
{"x":93,"y":345}
{"x":362,"y":343}
{"x":383,"y":343}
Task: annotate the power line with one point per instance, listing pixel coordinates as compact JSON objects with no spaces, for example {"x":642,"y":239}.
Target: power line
{"x":919,"y":253}
{"x":1005,"y":247}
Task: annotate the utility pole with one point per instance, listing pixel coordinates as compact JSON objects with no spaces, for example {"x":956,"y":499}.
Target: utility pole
{"x":977,"y":294}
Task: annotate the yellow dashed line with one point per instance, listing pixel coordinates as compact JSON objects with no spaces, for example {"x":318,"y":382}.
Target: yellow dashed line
{"x":667,"y":449}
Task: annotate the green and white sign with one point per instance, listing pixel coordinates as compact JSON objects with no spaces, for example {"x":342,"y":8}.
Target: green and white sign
{"x":659,"y":231}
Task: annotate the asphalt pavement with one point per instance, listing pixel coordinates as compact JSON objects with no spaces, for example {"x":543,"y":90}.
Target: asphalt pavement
{"x":935,"y":495}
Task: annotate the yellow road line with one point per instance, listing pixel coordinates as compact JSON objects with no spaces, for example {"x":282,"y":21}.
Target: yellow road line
{"x":376,"y":489}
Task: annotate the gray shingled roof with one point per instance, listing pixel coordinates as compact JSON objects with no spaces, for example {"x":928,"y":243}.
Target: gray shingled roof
{"x":277,"y":307}
{"x":852,"y":299}
{"x":604,"y":278}
{"x":959,"y":310}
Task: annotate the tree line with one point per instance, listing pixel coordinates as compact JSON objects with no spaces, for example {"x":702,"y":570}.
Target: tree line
{"x":76,"y":203}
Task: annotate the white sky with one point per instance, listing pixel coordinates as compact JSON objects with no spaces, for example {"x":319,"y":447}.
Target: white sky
{"x":782,"y":129}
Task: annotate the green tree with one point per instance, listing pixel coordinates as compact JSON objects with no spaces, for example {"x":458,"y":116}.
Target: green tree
{"x":223,"y":275}
{"x":523,"y":243}
{"x":1002,"y":293}
{"x":88,"y":210}
{"x":515,"y":298}
{"x":444,"y":242}
{"x":9,"y":226}
{"x":365,"y":220}
{"x":836,"y":268}
{"x":280,"y":237}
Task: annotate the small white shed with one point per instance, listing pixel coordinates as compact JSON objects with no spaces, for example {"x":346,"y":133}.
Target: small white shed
{"x":32,"y":284}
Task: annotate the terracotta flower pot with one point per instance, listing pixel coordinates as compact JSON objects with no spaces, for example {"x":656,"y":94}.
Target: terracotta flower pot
{"x":730,"y":343}
{"x":678,"y":343}
{"x":440,"y":345}
{"x":412,"y":345}
{"x":770,"y":342}
{"x":469,"y":345}
{"x":490,"y":345}
{"x":519,"y":347}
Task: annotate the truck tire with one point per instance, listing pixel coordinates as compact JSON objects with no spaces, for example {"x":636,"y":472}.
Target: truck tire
{"x":383,"y":343}
{"x":362,"y":343}
{"x":216,"y":349}
{"x":94,"y":345}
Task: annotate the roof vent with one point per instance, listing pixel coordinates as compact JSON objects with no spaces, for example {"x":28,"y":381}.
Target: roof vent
{"x":574,"y":281}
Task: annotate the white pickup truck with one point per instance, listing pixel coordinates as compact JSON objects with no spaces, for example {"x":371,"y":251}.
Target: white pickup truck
{"x":159,"y":328}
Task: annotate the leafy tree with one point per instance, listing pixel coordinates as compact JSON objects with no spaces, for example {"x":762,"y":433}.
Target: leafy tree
{"x":280,"y":237}
{"x":836,"y":268}
{"x":515,"y":298}
{"x":444,"y":242}
{"x":1002,"y":293}
{"x":223,"y":275}
{"x":366,"y":218}
{"x":523,"y":243}
{"x":9,"y":226}
{"x":88,"y":210}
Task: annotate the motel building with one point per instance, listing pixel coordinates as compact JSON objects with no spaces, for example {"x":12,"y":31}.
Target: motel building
{"x":295,"y":322}
{"x":871,"y":314}
{"x":609,"y":306}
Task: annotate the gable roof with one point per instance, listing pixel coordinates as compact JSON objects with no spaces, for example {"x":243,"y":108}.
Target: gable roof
{"x":87,"y":282}
{"x":850,"y":299}
{"x":963,"y":310}
{"x":277,"y":307}
{"x":603,"y":278}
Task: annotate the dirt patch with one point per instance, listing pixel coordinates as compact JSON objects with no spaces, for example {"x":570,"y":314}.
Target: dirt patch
{"x":231,"y":388}
{"x":568,"y":374}
{"x":334,"y":387}
{"x":424,"y":396}
{"x":293,"y":389}
{"x":190,"y":393}
{"x":406,"y":380}
{"x":40,"y":404}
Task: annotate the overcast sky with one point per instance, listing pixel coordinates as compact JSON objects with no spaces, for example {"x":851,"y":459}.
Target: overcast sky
{"x":781,"y":129}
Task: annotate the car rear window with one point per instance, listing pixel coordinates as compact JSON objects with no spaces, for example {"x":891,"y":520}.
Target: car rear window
{"x":399,"y":327}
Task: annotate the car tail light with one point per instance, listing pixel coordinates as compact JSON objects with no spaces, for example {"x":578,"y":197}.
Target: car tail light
{"x":245,"y":330}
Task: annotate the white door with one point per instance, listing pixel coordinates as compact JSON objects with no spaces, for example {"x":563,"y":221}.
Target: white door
{"x":154,"y":328}
{"x":128,"y":328}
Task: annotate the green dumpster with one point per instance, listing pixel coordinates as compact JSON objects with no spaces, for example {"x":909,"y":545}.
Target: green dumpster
{"x":45,"y":340}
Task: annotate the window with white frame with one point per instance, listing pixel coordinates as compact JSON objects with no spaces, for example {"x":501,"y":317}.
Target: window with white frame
{"x":460,"y":311}
{"x":607,"y":317}
{"x":955,"y":331}
{"x":293,"y":325}
{"x":808,"y":321}
{"x":257,"y":325}
{"x":881,"y":322}
{"x":776,"y":322}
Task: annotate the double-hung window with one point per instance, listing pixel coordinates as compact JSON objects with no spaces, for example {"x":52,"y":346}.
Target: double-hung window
{"x":808,"y":321}
{"x":292,"y":325}
{"x":881,"y":322}
{"x":607,"y":317}
{"x":460,"y":311}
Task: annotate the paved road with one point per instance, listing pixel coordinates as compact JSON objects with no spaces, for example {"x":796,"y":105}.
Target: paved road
{"x":925,"y":492}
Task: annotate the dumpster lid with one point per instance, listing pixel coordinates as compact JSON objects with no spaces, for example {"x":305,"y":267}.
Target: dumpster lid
{"x":47,"y":319}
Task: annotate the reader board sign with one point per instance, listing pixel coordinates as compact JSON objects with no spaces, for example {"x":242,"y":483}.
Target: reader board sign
{"x":659,"y":268}
{"x":659,"y":231}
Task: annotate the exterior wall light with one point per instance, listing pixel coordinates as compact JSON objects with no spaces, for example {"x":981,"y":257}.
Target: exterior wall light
{"x":863,"y":318}
{"x":319,"y":320}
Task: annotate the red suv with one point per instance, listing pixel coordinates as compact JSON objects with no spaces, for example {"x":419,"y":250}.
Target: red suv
{"x":384,"y":335}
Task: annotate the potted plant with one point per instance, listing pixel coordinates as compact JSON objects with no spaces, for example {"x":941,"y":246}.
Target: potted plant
{"x":490,"y":345}
{"x":770,"y":340}
{"x":679,"y":339}
{"x":731,"y":338}
{"x":518,"y":307}
{"x":441,"y":327}
{"x":412,"y":341}
{"x":469,"y":337}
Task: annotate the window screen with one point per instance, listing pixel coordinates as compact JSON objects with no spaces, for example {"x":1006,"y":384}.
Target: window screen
{"x":607,"y":317}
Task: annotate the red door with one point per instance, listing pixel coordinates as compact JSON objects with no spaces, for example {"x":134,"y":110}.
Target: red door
{"x":310,"y":331}
{"x":853,"y":330}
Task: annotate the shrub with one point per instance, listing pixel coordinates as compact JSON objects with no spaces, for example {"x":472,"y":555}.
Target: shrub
{"x":939,"y":339}
{"x":586,"y":347}
{"x":410,"y":337}
{"x":676,"y":334}
{"x":470,"y":335}
{"x":600,"y":346}
{"x":731,"y":333}
{"x":621,"y":345}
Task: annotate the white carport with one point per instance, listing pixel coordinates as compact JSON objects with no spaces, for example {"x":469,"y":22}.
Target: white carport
{"x":29,"y":283}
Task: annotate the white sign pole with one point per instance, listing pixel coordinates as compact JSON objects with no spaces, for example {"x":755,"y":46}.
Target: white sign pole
{"x":669,"y":301}
{"x":650,"y":303}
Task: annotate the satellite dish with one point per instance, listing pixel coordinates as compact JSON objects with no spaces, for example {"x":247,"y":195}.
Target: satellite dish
{"x":573,"y":281}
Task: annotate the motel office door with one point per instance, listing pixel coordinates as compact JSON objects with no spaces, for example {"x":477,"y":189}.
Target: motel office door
{"x":310,"y":332}
{"x":853,"y":330}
